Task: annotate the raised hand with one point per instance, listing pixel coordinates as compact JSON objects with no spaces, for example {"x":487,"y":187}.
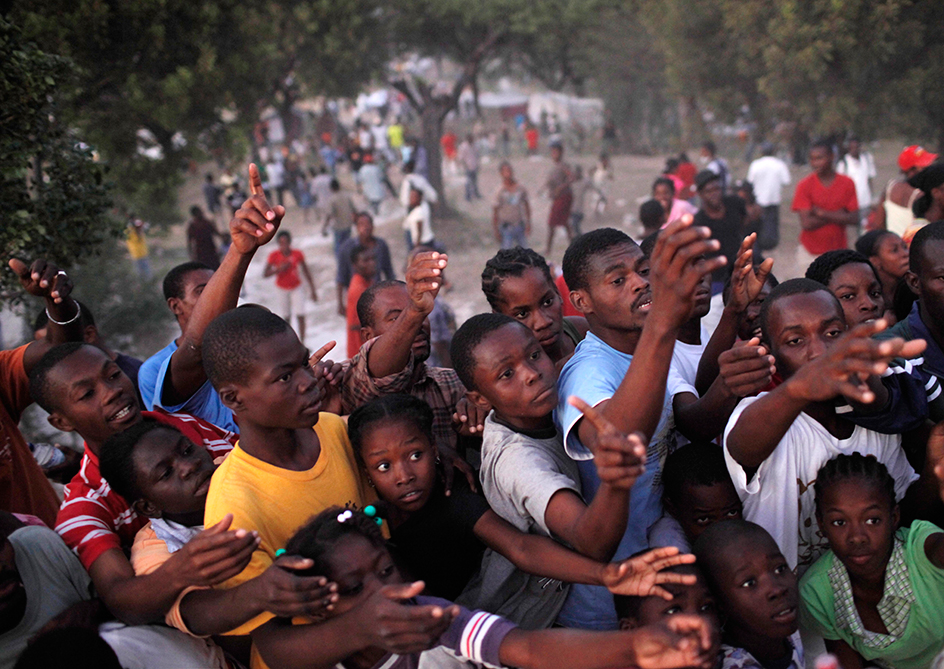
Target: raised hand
{"x":424,"y":279}
{"x":329,"y":375}
{"x":620,"y":458}
{"x":399,"y":629}
{"x":215,"y":555}
{"x":255,"y":223}
{"x":746,"y":281}
{"x":678,"y":641}
{"x":843,"y":369}
{"x":287,"y":594}
{"x":469,"y":417}
{"x":747,"y":368}
{"x":43,"y":279}
{"x":452,"y":461}
{"x":643,"y":575}
{"x":676,"y":267}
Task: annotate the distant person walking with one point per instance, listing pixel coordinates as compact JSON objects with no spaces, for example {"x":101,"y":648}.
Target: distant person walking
{"x":469,"y":158}
{"x":137,"y":246}
{"x":511,"y":213}
{"x":718,"y":165}
{"x":211,"y":194}
{"x":201,"y":239}
{"x":284,"y":263}
{"x":894,"y":212}
{"x":558,"y":188}
{"x":340,"y":215}
{"x":768,"y":175}
{"x":859,"y":166}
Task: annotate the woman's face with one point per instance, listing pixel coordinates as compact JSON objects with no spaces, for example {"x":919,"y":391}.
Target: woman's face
{"x":891,"y":256}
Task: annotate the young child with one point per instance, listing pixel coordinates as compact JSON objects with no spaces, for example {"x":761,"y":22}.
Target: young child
{"x":284,"y":263}
{"x":693,"y":599}
{"x":877,"y":596}
{"x":291,"y":459}
{"x":348,"y":547}
{"x":364,"y":264}
{"x":696,"y":492}
{"x":776,"y":442}
{"x":167,"y":478}
{"x":851,"y":278}
{"x":526,"y":474}
{"x":518,"y":283}
{"x":441,"y":539}
{"x":756,"y":594}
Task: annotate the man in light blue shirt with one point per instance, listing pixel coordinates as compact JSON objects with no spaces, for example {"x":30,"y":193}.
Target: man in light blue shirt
{"x":623,"y":368}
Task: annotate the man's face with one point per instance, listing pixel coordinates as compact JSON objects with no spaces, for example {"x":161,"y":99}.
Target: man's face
{"x":194,"y":283}
{"x":365,"y":228}
{"x":821,"y":160}
{"x":365,"y":264}
{"x":711,"y":193}
{"x":854,"y":148}
{"x":802,"y":328}
{"x":507,"y":174}
{"x":928,"y":283}
{"x":556,"y":154}
{"x":93,"y":396}
{"x":285,"y":245}
{"x":389,"y":303}
{"x":172,"y":473}
{"x":618,"y":295}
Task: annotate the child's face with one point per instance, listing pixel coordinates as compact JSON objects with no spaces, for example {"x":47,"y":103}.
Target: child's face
{"x":93,"y":396}
{"x":389,"y":303}
{"x":401,"y":463}
{"x":280,"y":390}
{"x":756,"y":588}
{"x":172,"y":473}
{"x":285,"y":245}
{"x":859,"y":521}
{"x":618,"y":294}
{"x":365,"y":264}
{"x":891,"y":255}
{"x":535,"y":302}
{"x":690,"y":600}
{"x":858,"y":291}
{"x":664,"y":194}
{"x":515,"y":375}
{"x":194,"y":283}
{"x":803,"y":327}
{"x":701,"y":506}
{"x":360,"y":569}
{"x":749,"y":321}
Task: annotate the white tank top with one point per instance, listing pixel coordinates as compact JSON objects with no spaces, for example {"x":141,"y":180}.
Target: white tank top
{"x":898,"y":218}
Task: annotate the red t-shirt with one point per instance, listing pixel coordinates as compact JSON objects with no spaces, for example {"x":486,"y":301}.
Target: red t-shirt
{"x":358,"y":285}
{"x":531,"y":136}
{"x":686,"y":172}
{"x":448,"y":142}
{"x":287,"y":279}
{"x":94,"y":518}
{"x":840,"y":196}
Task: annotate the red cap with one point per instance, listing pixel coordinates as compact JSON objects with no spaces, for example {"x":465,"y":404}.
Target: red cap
{"x":915,"y":156}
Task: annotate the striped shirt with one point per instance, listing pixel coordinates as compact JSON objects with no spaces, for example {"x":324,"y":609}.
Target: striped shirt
{"x":94,"y":519}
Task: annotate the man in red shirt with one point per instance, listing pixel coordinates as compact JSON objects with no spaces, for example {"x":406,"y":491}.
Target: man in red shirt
{"x":284,"y":263}
{"x":826,"y":202}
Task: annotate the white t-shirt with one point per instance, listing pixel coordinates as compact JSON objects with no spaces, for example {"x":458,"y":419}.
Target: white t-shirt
{"x":860,"y":170}
{"x":784,"y":481}
{"x":276,"y":174}
{"x":420,"y":183}
{"x":768,"y":175}
{"x":419,"y":224}
{"x":685,"y":358}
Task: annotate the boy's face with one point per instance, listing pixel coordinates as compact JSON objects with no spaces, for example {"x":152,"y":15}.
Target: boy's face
{"x":172,"y":473}
{"x":712,"y":193}
{"x":701,"y":506}
{"x":365,"y":264}
{"x":618,"y":294}
{"x":749,"y":320}
{"x":803,"y":327}
{"x":93,"y":396}
{"x":389,"y":303}
{"x":664,"y":195}
{"x":928,"y":283}
{"x":365,"y":228}
{"x":280,"y":390}
{"x":194,"y":283}
{"x":401,"y":464}
{"x":515,"y":376}
{"x":285,"y":245}
{"x":859,"y":521}
{"x":821,"y":160}
{"x":360,"y":569}
{"x":12,"y":590}
{"x":756,"y":588}
{"x":535,"y":302}
{"x":858,"y":291}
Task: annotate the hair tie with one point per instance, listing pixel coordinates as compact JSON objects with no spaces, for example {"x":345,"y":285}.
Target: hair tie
{"x":371,"y":512}
{"x":345,"y":516}
{"x":279,"y":553}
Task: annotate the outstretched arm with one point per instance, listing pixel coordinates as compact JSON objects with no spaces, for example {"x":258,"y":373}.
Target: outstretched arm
{"x":252,"y":226}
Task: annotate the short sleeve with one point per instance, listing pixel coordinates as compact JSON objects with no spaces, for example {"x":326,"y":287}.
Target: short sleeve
{"x":14,"y":383}
{"x":802,"y":198}
{"x":737,"y":472}
{"x":86,"y":527}
{"x":817,"y":605}
{"x":676,"y":385}
{"x":784,"y":173}
{"x":916,"y":555}
{"x":273,"y":258}
{"x":205,"y":403}
{"x":852,"y":201}
{"x":466,"y":507}
{"x":594,"y":380}
{"x":474,"y":635}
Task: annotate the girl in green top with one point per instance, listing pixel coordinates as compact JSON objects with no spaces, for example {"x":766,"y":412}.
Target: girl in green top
{"x":877,"y":596}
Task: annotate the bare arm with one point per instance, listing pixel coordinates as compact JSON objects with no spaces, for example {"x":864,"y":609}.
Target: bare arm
{"x":704,"y":418}
{"x":310,"y":280}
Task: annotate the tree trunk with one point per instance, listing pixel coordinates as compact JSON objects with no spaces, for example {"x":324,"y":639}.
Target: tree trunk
{"x":431,"y":130}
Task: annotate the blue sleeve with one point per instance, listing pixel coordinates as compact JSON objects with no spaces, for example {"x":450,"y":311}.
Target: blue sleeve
{"x":205,"y":403}
{"x":907,"y":406}
{"x":593,"y":379}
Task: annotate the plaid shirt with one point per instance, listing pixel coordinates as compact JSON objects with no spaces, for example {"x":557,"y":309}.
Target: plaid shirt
{"x":893,"y":608}
{"x":439,"y":387}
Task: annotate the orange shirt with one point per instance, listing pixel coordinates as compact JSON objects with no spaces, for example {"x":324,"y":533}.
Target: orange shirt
{"x":23,"y":486}
{"x":358,"y":285}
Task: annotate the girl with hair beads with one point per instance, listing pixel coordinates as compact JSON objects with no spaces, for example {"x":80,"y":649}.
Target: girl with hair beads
{"x":442,"y":539}
{"x":877,"y":596}
{"x":348,"y":548}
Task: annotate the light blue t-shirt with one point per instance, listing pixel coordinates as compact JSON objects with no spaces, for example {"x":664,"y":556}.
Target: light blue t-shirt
{"x":593,"y":374}
{"x":205,"y":403}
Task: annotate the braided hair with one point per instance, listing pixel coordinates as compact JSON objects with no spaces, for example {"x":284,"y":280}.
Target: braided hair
{"x":510,"y":263}
{"x":317,"y":539}
{"x":865,"y":468}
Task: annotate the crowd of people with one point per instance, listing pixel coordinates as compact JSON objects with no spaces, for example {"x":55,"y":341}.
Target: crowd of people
{"x":588,"y":455}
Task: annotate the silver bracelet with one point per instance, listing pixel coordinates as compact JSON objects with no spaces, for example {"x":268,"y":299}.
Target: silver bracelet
{"x":78,"y":312}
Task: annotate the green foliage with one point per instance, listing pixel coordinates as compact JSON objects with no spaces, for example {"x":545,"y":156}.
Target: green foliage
{"x":55,"y":199}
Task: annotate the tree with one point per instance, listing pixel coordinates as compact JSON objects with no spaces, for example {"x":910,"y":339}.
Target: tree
{"x":55,"y":199}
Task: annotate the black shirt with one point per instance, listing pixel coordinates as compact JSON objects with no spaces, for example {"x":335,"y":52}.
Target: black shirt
{"x":729,"y":230}
{"x":437,"y":544}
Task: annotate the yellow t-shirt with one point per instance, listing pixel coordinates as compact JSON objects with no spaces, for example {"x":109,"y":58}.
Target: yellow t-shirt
{"x":137,"y":246}
{"x":275,"y":502}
